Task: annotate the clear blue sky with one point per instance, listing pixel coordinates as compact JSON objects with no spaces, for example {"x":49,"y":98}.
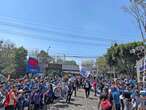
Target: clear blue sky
{"x":72,"y":27}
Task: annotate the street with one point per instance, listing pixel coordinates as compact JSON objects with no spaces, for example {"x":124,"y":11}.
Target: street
{"x":77,"y":103}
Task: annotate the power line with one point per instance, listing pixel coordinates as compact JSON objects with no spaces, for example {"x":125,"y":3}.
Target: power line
{"x":45,"y":30}
{"x":51,"y":39}
{"x":64,"y":55}
{"x":75,"y":56}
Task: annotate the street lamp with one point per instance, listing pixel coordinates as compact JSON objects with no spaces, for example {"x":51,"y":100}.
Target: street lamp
{"x":48,"y":49}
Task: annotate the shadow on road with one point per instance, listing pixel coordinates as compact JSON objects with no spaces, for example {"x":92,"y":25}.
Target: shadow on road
{"x":82,"y":97}
{"x":91,"y":98}
{"x":72,"y":99}
{"x":64,"y":105}
{"x":74,"y":104}
{"x":61,"y":106}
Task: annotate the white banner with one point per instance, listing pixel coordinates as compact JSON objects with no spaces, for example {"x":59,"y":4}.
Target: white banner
{"x":84,"y":71}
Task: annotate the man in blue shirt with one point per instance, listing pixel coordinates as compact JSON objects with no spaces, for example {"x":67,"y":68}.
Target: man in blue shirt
{"x":116,"y":98}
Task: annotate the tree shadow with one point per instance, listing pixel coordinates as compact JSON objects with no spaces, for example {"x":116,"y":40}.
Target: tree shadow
{"x":72,"y":99}
{"x":75,"y":104}
{"x":62,"y":106}
{"x":82,"y":97}
{"x":91,"y":98}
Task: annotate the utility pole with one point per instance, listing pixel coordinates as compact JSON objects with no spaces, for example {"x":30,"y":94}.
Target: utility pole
{"x":64,"y":58}
{"x":48,"y":53}
{"x":48,"y":50}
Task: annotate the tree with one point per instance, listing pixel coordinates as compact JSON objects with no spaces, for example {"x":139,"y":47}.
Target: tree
{"x":120,"y":57}
{"x":137,"y":8}
{"x":88,"y":63}
{"x":20,"y":58}
{"x":7,"y":57}
{"x":102,"y":65}
{"x":44,"y":57}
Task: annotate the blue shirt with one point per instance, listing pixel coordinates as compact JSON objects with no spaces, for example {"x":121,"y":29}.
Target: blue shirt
{"x":116,"y":97}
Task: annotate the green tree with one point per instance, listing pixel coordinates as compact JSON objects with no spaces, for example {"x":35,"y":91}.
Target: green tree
{"x":102,"y":65}
{"x":20,"y":58}
{"x":44,"y":57}
{"x":137,"y":9}
{"x":120,"y":57}
{"x":7,"y":58}
{"x":88,"y":63}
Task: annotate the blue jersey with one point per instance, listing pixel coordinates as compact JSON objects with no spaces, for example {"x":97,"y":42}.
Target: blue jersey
{"x":116,"y":97}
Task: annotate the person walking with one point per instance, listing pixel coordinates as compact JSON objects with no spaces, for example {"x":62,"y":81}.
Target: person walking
{"x":94,"y":84}
{"x":70,"y":91}
{"x":10,"y":102}
{"x":116,"y":98}
{"x":87,"y":87}
{"x":105,"y":103}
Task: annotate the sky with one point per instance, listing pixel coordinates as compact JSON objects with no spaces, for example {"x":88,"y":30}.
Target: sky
{"x":70,"y":27}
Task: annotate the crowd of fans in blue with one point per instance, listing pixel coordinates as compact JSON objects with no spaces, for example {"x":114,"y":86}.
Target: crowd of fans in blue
{"x":38,"y":93}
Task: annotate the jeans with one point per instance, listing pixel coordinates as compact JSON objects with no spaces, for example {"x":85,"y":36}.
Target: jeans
{"x":10,"y":107}
{"x":36,"y":107}
{"x":68,"y":99}
{"x":87,"y":92}
{"x":75,"y":91}
{"x":117,"y":106}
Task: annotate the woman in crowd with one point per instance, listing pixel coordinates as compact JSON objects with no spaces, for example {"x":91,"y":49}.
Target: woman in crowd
{"x":10,"y":102}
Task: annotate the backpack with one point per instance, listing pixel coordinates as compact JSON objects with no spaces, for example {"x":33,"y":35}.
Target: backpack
{"x":87,"y":85}
{"x":70,"y":90}
{"x":105,"y":105}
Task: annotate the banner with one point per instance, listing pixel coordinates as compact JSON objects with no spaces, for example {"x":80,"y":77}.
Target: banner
{"x":84,"y":71}
{"x":33,"y":66}
{"x":141,"y":65}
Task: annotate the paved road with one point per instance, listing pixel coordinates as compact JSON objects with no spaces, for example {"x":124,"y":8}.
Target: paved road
{"x":77,"y":103}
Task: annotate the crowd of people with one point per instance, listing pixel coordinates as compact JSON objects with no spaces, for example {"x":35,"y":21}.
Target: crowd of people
{"x":38,"y":93}
{"x":121,"y":94}
{"x":35,"y":93}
